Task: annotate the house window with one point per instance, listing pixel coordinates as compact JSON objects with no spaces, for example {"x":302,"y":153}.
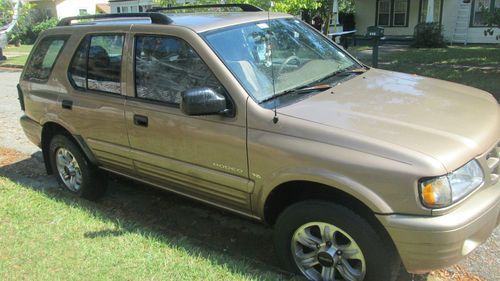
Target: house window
{"x":384,"y":12}
{"x":478,"y":7}
{"x":118,"y":10}
{"x":82,"y":12}
{"x":124,"y":9}
{"x":437,"y":10}
{"x":392,"y":13}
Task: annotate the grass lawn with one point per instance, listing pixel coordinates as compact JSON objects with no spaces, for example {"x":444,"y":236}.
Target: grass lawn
{"x":16,"y":56}
{"x":476,"y":66}
{"x":51,"y":236}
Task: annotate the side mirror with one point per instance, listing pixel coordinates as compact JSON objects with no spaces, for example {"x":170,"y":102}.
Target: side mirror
{"x":203,"y":101}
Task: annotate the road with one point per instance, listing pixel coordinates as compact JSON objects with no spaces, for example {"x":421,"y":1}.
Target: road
{"x":131,"y":199}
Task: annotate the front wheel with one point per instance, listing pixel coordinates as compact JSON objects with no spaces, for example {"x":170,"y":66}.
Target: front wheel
{"x":325,"y":241}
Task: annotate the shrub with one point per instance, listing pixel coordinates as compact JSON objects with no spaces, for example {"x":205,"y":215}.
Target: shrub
{"x":347,"y":20}
{"x":428,"y":35}
{"x":30,"y":23}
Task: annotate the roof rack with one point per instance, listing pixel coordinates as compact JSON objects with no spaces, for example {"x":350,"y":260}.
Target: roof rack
{"x":243,"y":7}
{"x":156,"y":18}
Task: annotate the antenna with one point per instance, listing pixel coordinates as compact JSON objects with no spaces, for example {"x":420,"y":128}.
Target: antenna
{"x":271,"y":5}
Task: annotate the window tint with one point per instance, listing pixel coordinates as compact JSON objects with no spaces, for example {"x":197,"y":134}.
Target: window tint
{"x":96,"y":64}
{"x":43,"y":59}
{"x":167,"y":66}
{"x":78,"y":67}
{"x":104,"y":63}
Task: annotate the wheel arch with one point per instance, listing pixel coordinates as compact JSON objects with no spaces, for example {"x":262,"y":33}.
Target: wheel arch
{"x":293,"y":191}
{"x":49,"y":130}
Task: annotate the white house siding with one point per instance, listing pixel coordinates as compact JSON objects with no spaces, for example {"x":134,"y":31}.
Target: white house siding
{"x":475,"y":35}
{"x":365,"y":16}
{"x":71,"y":8}
{"x":133,"y":5}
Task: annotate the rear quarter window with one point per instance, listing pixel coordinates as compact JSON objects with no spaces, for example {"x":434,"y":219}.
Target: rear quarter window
{"x":43,"y":59}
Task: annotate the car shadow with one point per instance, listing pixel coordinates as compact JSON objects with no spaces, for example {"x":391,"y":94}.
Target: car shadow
{"x":178,"y":221}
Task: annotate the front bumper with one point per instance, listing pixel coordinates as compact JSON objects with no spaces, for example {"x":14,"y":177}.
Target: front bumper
{"x":428,"y":243}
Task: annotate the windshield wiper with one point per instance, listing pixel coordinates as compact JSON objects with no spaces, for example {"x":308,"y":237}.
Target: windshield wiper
{"x":352,"y":71}
{"x":300,"y":90}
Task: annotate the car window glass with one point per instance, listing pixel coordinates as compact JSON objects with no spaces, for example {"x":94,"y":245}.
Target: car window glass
{"x":78,"y":67}
{"x":43,"y":59}
{"x":167,"y":66}
{"x":104,"y":63}
{"x":96,"y":64}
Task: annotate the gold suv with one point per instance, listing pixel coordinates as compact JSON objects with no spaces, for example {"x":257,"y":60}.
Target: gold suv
{"x":358,"y":169}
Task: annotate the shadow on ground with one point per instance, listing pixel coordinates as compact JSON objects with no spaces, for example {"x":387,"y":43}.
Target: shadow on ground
{"x":180,"y":222}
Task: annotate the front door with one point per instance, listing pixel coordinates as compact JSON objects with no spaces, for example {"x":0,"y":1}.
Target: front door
{"x":203,"y":156}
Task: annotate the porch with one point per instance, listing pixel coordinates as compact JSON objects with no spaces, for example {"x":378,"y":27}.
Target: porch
{"x":462,"y":20}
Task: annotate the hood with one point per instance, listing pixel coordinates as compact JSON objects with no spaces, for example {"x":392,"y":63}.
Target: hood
{"x":449,"y":122}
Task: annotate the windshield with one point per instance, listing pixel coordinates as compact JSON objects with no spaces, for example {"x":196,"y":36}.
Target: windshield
{"x":299,"y":56}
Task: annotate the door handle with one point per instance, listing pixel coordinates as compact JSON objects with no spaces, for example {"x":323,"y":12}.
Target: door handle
{"x":67,"y":104}
{"x":140,"y":120}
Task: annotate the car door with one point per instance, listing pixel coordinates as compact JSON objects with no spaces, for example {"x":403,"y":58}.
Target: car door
{"x":203,"y":156}
{"x":95,"y":103}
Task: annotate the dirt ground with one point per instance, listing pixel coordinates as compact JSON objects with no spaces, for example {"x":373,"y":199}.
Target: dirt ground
{"x":21,"y":161}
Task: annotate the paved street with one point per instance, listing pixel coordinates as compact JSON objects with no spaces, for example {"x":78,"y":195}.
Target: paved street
{"x":484,"y":262}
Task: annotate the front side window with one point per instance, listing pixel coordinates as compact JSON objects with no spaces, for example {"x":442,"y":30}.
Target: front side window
{"x":272,"y":58}
{"x":167,"y":66}
{"x":97,"y":62}
{"x":43,"y":59}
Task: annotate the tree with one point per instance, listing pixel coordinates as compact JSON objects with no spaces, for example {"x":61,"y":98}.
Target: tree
{"x":286,"y":6}
{"x":6,"y":12}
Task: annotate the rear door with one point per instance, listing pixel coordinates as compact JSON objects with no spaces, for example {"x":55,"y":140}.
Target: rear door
{"x":203,"y":156}
{"x":94,"y":105}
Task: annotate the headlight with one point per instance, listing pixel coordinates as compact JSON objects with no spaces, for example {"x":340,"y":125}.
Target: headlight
{"x":445,"y":190}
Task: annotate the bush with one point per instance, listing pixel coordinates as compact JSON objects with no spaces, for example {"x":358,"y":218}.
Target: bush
{"x":29,"y":24}
{"x":44,"y":25}
{"x":428,"y":35}
{"x":347,"y":20}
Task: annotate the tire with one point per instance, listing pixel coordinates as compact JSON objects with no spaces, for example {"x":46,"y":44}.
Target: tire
{"x":369,"y":254}
{"x":75,"y":173}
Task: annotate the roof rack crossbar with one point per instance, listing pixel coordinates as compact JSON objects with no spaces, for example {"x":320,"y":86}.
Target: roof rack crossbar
{"x":243,"y":7}
{"x":156,"y":18}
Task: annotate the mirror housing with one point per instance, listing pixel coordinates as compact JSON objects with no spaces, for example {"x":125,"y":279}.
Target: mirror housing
{"x":203,"y":101}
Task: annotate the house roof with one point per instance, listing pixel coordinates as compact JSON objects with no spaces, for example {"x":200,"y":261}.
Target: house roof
{"x":103,"y":8}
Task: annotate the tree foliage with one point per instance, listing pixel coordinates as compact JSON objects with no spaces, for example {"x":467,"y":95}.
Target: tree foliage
{"x":286,"y":6}
{"x":6,"y":12}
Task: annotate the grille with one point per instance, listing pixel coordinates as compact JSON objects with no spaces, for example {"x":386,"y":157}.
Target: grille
{"x":492,"y":162}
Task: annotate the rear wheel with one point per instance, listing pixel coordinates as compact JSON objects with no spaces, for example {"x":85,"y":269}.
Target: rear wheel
{"x":326,"y":241}
{"x":73,"y":171}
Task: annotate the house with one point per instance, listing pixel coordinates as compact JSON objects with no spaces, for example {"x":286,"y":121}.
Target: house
{"x":70,"y":8}
{"x":134,"y":6}
{"x":462,"y":20}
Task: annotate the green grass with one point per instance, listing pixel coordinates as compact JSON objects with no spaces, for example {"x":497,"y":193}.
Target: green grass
{"x":16,"y":56}
{"x":48,"y":236}
{"x":477,"y":66}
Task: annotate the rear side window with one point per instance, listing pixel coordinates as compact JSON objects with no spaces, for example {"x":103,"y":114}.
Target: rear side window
{"x":97,"y":63}
{"x":44,"y":58}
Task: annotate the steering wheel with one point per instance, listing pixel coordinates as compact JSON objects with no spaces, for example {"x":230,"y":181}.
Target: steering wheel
{"x":289,"y":59}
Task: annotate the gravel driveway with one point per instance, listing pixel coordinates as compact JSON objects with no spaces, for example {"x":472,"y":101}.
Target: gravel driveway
{"x":484,"y":262}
